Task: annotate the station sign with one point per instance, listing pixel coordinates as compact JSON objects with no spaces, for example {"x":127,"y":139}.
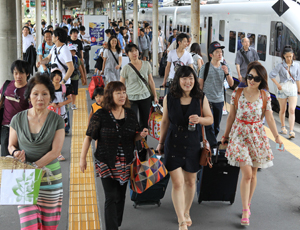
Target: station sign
{"x":32,"y":3}
{"x":27,"y":3}
{"x":149,"y":3}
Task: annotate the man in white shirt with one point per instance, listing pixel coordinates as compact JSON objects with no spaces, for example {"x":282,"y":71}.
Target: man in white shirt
{"x":174,"y":43}
{"x":177,"y":57}
{"x":60,"y":55}
{"x":86,"y":41}
{"x":28,"y":39}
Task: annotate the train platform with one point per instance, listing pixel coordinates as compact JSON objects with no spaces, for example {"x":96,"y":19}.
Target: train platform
{"x":274,"y":206}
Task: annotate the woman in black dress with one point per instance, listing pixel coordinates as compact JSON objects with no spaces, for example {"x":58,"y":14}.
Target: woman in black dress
{"x":181,"y":146}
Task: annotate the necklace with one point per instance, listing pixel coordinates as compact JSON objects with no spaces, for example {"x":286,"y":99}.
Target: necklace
{"x":250,"y":94}
{"x":118,"y":118}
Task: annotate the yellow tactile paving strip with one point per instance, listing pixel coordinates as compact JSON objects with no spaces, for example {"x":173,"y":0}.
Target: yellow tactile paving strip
{"x":83,"y":209}
{"x":289,"y":145}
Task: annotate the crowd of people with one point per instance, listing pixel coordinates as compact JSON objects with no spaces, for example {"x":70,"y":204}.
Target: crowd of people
{"x":36,"y":114}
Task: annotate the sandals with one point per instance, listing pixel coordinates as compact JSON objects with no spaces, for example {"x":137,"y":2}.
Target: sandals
{"x":249,"y":210}
{"x":183,"y":226}
{"x":188,"y":219}
{"x":283,"y":130}
{"x":245,"y":221}
{"x":292,"y":135}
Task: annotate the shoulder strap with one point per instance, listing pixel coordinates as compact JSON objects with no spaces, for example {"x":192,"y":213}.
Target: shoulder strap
{"x":206,"y":69}
{"x":237,"y":97}
{"x":114,"y":56}
{"x":56,"y":55}
{"x":245,"y":57}
{"x":43,"y":48}
{"x":139,"y":74}
{"x":265,"y":100}
{"x":290,"y":74}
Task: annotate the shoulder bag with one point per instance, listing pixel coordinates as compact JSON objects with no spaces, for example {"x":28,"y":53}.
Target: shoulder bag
{"x":205,"y":157}
{"x":245,"y":57}
{"x":142,"y":79}
{"x":287,"y":87}
{"x":115,"y":58}
{"x":2,"y":104}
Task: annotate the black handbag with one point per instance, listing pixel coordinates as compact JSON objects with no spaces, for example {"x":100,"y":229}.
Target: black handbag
{"x":2,"y":104}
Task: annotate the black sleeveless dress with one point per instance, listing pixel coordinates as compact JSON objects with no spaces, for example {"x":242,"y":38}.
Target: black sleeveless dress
{"x":182,"y":147}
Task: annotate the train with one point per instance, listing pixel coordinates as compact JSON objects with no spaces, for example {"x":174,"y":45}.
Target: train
{"x":269,"y":25}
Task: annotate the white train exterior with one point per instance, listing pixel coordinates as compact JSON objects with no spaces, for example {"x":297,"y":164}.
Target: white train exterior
{"x":270,"y":32}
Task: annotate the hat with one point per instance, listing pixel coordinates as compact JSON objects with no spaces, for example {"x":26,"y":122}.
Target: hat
{"x":55,"y":69}
{"x":213,"y":46}
{"x":72,"y":47}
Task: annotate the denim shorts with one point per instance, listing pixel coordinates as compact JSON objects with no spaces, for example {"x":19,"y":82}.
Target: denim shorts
{"x":292,"y":93}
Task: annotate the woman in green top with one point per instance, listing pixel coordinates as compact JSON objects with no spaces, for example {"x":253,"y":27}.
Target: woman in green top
{"x":137,"y":91}
{"x":37,"y":136}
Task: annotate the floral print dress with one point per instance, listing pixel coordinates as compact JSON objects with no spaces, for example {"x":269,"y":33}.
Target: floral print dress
{"x":248,"y":142}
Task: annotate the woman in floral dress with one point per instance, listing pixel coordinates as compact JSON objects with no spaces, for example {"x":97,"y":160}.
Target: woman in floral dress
{"x":248,"y":146}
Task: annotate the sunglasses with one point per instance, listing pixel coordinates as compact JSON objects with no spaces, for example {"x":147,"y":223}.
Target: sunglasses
{"x":16,"y":95}
{"x":256,"y":79}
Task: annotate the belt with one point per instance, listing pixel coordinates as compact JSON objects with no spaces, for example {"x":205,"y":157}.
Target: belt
{"x":6,"y":126}
{"x":178,"y":127}
{"x":247,"y":122}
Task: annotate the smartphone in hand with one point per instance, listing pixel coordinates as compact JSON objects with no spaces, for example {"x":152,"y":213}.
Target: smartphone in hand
{"x":278,"y":147}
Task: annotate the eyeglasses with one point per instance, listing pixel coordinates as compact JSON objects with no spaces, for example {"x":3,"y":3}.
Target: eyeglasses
{"x":16,"y":95}
{"x":256,"y":79}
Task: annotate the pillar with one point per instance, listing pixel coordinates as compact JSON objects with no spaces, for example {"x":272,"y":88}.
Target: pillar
{"x":38,"y":16}
{"x":195,"y":21}
{"x":54,"y":13}
{"x":8,"y":38}
{"x":59,"y":14}
{"x":123,"y":11}
{"x":155,"y":37}
{"x":48,"y":7}
{"x":110,"y":10}
{"x":135,"y":21}
{"x":19,"y":28}
{"x":116,"y":10}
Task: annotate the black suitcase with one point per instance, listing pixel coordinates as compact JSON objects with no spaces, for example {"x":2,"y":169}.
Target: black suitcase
{"x":152,"y":195}
{"x":218,"y":183}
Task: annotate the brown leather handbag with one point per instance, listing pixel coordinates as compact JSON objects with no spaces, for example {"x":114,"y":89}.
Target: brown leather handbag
{"x":205,"y":157}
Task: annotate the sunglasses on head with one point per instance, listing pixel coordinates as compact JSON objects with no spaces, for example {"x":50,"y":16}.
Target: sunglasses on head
{"x":256,"y":79}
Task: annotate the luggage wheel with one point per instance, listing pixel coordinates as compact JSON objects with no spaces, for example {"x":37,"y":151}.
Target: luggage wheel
{"x":134,"y":204}
{"x":231,"y":202}
{"x":158,"y":203}
{"x":199,"y":201}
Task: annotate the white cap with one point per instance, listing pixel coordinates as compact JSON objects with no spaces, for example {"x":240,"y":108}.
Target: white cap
{"x":72,"y":47}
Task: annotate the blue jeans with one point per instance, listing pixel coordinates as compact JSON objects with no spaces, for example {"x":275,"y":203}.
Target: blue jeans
{"x":68,"y":126}
{"x":213,"y":130}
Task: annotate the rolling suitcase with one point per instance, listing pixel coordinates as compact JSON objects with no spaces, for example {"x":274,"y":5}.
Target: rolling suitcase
{"x":218,"y":183}
{"x":152,"y":195}
{"x":162,"y":93}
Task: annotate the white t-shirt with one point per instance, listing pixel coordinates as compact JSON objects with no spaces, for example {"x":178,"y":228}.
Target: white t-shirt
{"x":85,"y":37}
{"x":174,"y":44}
{"x":27,"y":41}
{"x":186,"y":59}
{"x":64,"y":55}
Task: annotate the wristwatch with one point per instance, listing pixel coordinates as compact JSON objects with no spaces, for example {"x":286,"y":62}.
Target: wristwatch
{"x":64,"y":81}
{"x":227,"y":74}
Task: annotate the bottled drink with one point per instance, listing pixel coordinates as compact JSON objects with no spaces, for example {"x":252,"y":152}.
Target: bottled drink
{"x":192,"y":126}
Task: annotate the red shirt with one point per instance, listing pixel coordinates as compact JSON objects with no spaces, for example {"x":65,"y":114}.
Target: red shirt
{"x":14,"y":102}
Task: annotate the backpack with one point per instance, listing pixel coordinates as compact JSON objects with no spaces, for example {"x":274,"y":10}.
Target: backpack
{"x":263,"y":95}
{"x":76,"y":66}
{"x":163,"y":64}
{"x":97,"y":54}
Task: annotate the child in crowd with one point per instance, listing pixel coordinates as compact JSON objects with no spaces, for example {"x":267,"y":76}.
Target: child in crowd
{"x":62,"y":98}
{"x":78,"y":70}
{"x":98,"y":96}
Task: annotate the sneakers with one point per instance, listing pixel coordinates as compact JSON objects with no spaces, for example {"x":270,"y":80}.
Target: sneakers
{"x":225,"y":112}
{"x":73,"y":107}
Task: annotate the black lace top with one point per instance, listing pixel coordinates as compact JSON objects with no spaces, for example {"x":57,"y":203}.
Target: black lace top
{"x":109,"y":135}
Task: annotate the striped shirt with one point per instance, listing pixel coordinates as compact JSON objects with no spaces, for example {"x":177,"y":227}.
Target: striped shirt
{"x":281,"y":70}
{"x":214,"y":83}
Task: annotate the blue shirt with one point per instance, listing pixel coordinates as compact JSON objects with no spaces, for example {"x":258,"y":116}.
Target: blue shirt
{"x":281,"y":70}
{"x":120,"y":38}
{"x":46,"y":53}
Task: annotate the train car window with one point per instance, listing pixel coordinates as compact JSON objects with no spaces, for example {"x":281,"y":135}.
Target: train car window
{"x":184,"y":28}
{"x":241,"y":35}
{"x":188,"y":29}
{"x":180,"y":28}
{"x":221,"y":30}
{"x":205,"y":22}
{"x":251,"y":38}
{"x":200,"y":35}
{"x":262,"y":47}
{"x":232,"y":40}
{"x":280,"y":36}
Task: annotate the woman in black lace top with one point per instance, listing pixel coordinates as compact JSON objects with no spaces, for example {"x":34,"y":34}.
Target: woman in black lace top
{"x":116,"y":128}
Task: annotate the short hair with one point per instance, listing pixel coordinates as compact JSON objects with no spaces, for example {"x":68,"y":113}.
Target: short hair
{"x":40,"y":78}
{"x":28,"y":21}
{"x":55,"y":72}
{"x":287,"y":49}
{"x":180,"y":38}
{"x":176,"y":90}
{"x":98,"y":91}
{"x":74,"y":30}
{"x":146,"y":25}
{"x":159,"y":27}
{"x":108,"y":31}
{"x":130,"y":23}
{"x":25,"y":27}
{"x":261,"y":71}
{"x":21,"y":66}
{"x":61,"y":34}
{"x":43,"y":23}
{"x":131,"y":46}
{"x":196,"y":48}
{"x":117,"y":30}
{"x":65,"y":28}
{"x":82,"y":28}
{"x":69,"y":20}
{"x":50,"y":26}
{"x":242,"y":40}
{"x":108,"y":101}
{"x":48,"y":31}
{"x":174,"y":29}
{"x":142,"y":30}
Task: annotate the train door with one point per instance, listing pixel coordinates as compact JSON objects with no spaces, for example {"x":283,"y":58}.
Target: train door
{"x":209,"y":34}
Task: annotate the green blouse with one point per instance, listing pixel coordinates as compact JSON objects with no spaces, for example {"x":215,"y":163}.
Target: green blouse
{"x":36,"y":145}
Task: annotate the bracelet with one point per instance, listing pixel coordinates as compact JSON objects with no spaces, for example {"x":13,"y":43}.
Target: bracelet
{"x":225,"y":137}
{"x":161,"y":143}
{"x":34,"y":165}
{"x":13,"y":153}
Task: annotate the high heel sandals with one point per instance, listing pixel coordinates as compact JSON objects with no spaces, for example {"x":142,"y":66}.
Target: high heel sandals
{"x":183,"y":226}
{"x":245,"y":221}
{"x":283,"y":130}
{"x":188,"y":219}
{"x":292,"y":135}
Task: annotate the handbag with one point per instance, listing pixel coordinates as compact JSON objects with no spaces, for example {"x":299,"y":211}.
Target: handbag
{"x":154,"y":121}
{"x":288,"y":86}
{"x":97,"y":81}
{"x":20,"y":182}
{"x":142,"y":79}
{"x":144,"y":174}
{"x":205,"y":157}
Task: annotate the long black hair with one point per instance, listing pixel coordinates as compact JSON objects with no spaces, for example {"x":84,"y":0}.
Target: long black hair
{"x":176,"y":90}
{"x":118,"y":48}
